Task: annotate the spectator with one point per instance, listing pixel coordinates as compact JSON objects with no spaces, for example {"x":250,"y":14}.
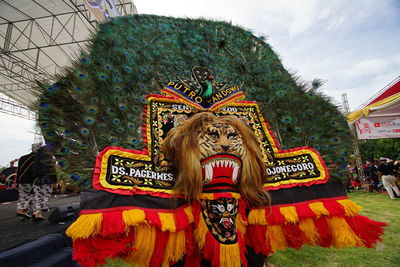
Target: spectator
{"x":25,"y":179}
{"x":35,"y":176}
{"x":44,"y":168}
{"x":386,"y":172}
{"x":373,"y":173}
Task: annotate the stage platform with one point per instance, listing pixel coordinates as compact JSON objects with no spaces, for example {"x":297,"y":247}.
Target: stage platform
{"x":14,"y":231}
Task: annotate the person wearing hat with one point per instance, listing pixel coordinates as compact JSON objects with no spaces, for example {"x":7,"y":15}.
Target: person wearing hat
{"x":387,"y":175}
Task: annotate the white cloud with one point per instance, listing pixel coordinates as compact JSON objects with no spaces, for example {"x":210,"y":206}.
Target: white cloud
{"x":17,"y":135}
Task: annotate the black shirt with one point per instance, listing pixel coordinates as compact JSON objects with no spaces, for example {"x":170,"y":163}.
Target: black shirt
{"x":386,"y":168}
{"x":25,"y":172}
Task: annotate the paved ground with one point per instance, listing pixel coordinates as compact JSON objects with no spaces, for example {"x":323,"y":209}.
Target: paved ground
{"x":14,"y":231}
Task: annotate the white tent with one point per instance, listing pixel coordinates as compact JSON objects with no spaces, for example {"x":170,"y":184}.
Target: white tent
{"x":39,"y":38}
{"x":380,"y":116}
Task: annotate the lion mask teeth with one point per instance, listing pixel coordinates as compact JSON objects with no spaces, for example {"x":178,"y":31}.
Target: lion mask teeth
{"x":230,"y":166}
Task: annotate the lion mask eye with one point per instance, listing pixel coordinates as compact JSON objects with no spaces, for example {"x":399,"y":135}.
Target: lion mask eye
{"x":213,"y":134}
{"x":232,"y":136}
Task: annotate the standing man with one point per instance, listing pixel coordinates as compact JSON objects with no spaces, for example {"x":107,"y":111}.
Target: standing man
{"x":44,"y":169}
{"x":386,"y":173}
{"x":25,"y":180}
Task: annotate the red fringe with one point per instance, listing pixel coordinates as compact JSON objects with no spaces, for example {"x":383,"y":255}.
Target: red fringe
{"x":242,"y":247}
{"x":274,"y":216}
{"x":325,"y":237}
{"x":181,"y":219}
{"x":190,"y":247}
{"x":193,"y":260}
{"x":334,"y":208}
{"x":255,"y":238}
{"x":305,"y":212}
{"x":93,"y":251}
{"x":368,"y":230}
{"x":211,"y":250}
{"x":294,"y":236}
{"x":196,"y":213}
{"x":112,"y":224}
{"x":159,"y":247}
{"x":153,"y":218}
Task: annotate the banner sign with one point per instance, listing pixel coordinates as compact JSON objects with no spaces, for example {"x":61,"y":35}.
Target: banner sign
{"x":102,"y":9}
{"x":125,"y":171}
{"x":378,"y":127}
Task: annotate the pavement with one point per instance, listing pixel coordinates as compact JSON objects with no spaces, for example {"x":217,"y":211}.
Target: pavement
{"x":15,"y":231}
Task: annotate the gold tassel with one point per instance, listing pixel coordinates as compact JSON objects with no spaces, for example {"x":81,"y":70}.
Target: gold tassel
{"x":276,"y":237}
{"x":189,"y":213}
{"x":257,"y":216}
{"x":318,"y":208}
{"x":307,"y":226}
{"x":342,"y":234}
{"x":290,"y":214}
{"x":175,"y":248}
{"x":143,"y":244}
{"x":133,"y":217}
{"x":167,"y":221}
{"x":85,"y":226}
{"x":229,"y":255}
{"x":200,"y":232}
{"x":241,"y":224}
{"x":350,"y":207}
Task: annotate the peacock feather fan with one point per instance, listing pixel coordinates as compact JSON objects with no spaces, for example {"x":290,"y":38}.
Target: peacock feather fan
{"x":98,"y":101}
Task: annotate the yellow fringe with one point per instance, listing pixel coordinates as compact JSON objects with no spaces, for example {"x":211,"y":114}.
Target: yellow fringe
{"x":342,"y":234}
{"x":257,"y":216}
{"x":200,"y":232}
{"x":175,"y":248}
{"x":241,"y":224}
{"x":85,"y":226}
{"x":189,"y":213}
{"x":276,"y":237}
{"x":143,"y":244}
{"x":290,"y":214}
{"x":350,"y":207}
{"x":133,"y":217}
{"x":229,"y":255}
{"x":167,"y":221}
{"x":319,"y":209}
{"x":307,"y":226}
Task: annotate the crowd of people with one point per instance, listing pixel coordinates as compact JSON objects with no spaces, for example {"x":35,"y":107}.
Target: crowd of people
{"x":381,"y":175}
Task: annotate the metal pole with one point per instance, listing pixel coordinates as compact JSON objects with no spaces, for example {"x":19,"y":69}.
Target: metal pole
{"x":356,"y":145}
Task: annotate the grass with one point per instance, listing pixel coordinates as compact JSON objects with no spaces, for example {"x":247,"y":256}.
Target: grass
{"x":376,"y":206}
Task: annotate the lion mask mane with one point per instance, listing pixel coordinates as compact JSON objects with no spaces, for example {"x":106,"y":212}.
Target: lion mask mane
{"x":205,"y":135}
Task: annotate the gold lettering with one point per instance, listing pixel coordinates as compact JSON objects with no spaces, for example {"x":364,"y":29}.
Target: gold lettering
{"x":170,"y":83}
{"x":224,"y":93}
{"x":186,"y":88}
{"x":218,"y":95}
{"x":198,"y":99}
{"x":178,"y":86}
{"x":192,"y":94}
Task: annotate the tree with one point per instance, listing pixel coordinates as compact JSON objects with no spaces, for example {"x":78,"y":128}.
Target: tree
{"x":376,"y":148}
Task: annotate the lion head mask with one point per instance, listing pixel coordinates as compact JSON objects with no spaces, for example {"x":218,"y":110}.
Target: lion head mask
{"x":225,"y":141}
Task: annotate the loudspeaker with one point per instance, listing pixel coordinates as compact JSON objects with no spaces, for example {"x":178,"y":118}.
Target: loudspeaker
{"x":64,"y":213}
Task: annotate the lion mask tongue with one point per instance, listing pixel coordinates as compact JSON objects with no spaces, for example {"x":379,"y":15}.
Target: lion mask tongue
{"x":221,"y":168}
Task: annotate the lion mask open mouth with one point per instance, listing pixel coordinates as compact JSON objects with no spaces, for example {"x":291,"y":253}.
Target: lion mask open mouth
{"x":221,"y":168}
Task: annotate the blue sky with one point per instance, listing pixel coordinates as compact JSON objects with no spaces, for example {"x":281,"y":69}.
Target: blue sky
{"x":354,"y":46}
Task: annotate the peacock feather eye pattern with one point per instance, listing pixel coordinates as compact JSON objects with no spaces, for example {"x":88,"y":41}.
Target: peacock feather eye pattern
{"x":99,"y":99}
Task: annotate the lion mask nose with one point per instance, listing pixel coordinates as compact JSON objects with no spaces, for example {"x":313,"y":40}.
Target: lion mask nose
{"x":225,"y":147}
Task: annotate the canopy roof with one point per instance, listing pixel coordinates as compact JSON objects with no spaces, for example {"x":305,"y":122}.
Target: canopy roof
{"x":385,"y":104}
{"x":39,"y":38}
